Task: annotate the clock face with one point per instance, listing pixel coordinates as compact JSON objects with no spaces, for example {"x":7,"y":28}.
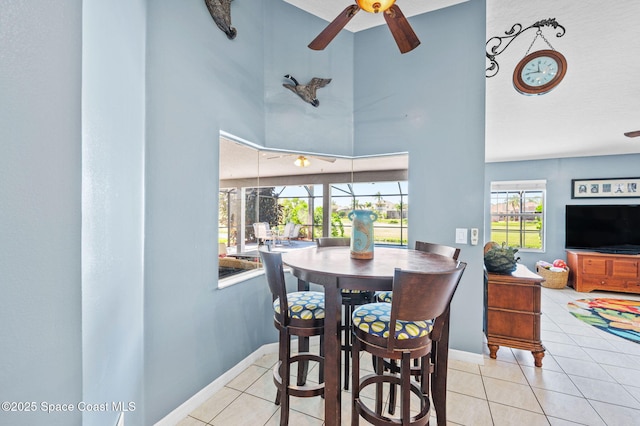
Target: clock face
{"x":539,"y":72}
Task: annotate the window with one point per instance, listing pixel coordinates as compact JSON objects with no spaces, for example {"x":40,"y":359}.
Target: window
{"x":517,"y":214}
{"x":268,"y":187}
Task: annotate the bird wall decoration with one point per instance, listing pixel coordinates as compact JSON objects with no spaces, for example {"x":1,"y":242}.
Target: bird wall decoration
{"x":220,"y":11}
{"x":307,"y":92}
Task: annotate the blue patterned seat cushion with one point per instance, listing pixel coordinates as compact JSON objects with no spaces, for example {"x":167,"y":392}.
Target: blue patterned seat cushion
{"x":303,"y":305}
{"x":384,"y":296}
{"x":374,"y":318}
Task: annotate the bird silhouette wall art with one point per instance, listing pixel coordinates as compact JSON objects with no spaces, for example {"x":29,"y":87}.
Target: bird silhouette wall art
{"x":307,"y":92}
{"x":220,"y":11}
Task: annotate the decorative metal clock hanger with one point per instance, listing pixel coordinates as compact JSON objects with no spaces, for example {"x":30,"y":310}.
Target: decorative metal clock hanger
{"x":538,"y":72}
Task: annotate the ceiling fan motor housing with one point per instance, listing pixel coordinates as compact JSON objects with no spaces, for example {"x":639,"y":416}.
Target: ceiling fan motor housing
{"x":375,"y":6}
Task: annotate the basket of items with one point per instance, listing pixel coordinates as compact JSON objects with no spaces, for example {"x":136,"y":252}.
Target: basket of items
{"x":555,"y":274}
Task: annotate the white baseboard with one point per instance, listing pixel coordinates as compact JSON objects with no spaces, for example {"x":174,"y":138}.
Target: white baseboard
{"x":208,"y":391}
{"x":469,"y":357}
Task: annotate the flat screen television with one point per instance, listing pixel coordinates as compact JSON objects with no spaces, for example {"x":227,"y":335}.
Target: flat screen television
{"x":603,"y":228}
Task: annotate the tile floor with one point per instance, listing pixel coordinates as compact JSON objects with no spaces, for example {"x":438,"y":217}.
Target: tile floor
{"x":588,"y":377}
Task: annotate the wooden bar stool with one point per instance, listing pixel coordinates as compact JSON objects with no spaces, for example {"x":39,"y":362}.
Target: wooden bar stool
{"x":440,"y":328}
{"x":418,"y":298}
{"x":303,"y":318}
{"x":350,"y":300}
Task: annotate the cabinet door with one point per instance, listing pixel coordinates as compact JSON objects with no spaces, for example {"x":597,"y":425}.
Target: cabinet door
{"x":594,"y":266}
{"x":515,"y":297}
{"x":625,"y":268}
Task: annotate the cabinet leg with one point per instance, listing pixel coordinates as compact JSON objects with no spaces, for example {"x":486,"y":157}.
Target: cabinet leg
{"x":537,"y":357}
{"x":493,"y":350}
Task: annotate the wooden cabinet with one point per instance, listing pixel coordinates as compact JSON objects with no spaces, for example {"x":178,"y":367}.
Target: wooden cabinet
{"x":512,"y":312}
{"x":600,"y":271}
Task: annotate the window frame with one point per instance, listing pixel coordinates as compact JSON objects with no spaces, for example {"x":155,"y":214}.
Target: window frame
{"x":521,"y":188}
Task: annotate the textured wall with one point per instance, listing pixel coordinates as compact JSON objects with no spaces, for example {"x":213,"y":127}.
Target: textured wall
{"x":113,"y":124}
{"x":40,"y":180}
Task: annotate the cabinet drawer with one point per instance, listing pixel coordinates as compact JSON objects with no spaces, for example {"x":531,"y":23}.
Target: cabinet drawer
{"x":604,"y":283}
{"x":594,"y":266}
{"x":515,"y":325}
{"x":514,"y":297}
{"x":625,"y":268}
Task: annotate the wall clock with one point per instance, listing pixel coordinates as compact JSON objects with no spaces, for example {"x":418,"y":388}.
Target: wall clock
{"x":539,"y":72}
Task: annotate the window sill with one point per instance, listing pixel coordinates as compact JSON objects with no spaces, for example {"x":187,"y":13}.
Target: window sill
{"x":238,"y":278}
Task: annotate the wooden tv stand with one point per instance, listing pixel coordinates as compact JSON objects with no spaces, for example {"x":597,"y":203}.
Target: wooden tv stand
{"x":590,"y":270}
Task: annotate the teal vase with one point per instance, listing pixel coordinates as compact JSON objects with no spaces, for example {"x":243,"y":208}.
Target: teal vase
{"x":362,"y":233}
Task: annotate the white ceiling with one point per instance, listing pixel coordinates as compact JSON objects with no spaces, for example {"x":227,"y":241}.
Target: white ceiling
{"x":279,"y":163}
{"x":587,"y":114}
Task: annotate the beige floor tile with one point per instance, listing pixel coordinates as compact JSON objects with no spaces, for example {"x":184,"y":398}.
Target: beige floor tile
{"x":612,"y":393}
{"x":312,"y":406}
{"x":550,"y":380}
{"x":623,"y":375}
{"x":554,"y":421}
{"x":246,"y":378}
{"x":504,"y":415}
{"x":567,"y":407}
{"x":246,"y":410}
{"x":556,"y":336}
{"x":190,"y":421}
{"x":295,"y":418}
{"x":214,"y":405}
{"x":525,"y":358}
{"x":512,"y":394}
{"x":587,"y":343}
{"x":633,"y":391}
{"x":503,"y":370}
{"x":267,"y":361}
{"x":612,"y":358}
{"x":468,"y":411}
{"x":578,"y":367}
{"x":464,"y":366}
{"x":617,"y":416}
{"x":263,"y":387}
{"x":465,"y":383}
{"x":567,"y":351}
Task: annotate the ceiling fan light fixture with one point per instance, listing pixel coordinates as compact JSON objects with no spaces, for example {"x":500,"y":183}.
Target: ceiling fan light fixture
{"x":302,"y":161}
{"x":375,"y":6}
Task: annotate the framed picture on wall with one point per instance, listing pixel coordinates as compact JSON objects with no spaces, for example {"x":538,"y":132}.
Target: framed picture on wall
{"x":605,"y":188}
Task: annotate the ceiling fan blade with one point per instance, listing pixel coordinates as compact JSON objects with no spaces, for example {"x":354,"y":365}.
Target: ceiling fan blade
{"x":324,"y":38}
{"x":327,"y":159}
{"x":402,"y":32}
{"x":633,"y":134}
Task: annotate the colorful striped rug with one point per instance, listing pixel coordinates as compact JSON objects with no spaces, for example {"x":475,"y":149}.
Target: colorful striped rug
{"x":616,"y":316}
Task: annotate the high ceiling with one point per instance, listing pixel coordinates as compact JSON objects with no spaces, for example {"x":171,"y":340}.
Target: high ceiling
{"x":587,"y":114}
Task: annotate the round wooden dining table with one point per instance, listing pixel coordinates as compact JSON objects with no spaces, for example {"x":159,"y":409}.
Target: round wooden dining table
{"x":334,"y":269}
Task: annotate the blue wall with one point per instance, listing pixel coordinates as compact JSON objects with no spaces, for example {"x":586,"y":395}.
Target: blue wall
{"x":198,"y":83}
{"x":113,"y":130}
{"x":430,"y":102}
{"x":558,"y":173}
{"x":40,"y":208}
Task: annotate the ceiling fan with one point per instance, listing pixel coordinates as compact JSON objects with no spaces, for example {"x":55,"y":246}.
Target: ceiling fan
{"x":402,"y":32}
{"x":303,"y":160}
{"x":633,"y":134}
